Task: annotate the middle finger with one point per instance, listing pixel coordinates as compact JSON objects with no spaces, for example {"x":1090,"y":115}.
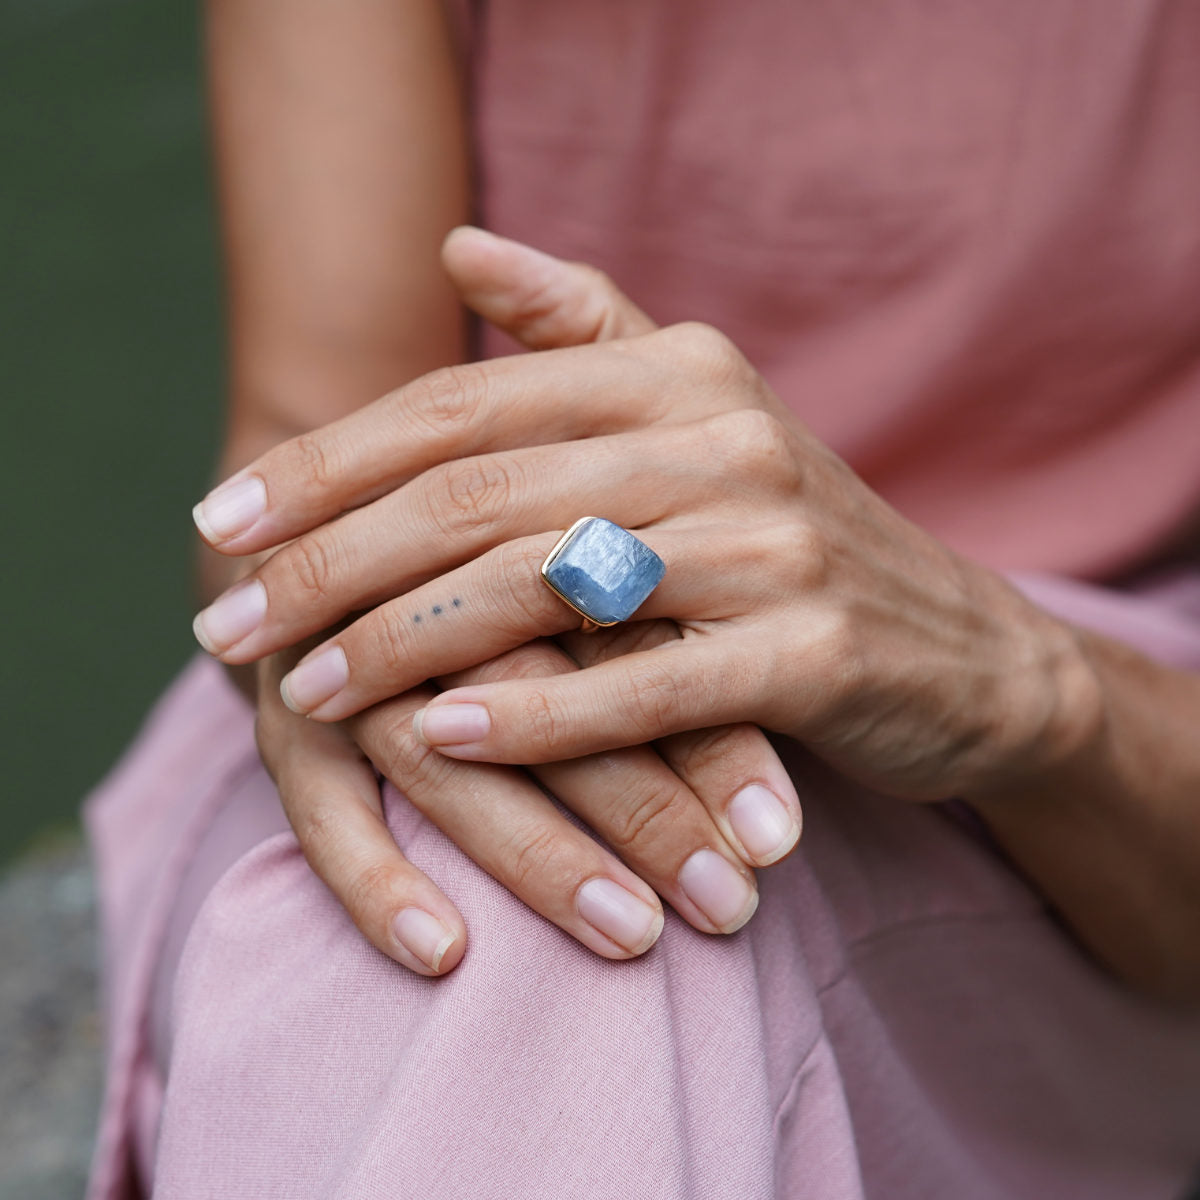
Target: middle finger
{"x":457,"y":511}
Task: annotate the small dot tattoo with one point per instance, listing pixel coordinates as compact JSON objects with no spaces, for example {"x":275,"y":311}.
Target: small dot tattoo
{"x":437,"y":610}
{"x":416,"y":618}
{"x":457,"y":602}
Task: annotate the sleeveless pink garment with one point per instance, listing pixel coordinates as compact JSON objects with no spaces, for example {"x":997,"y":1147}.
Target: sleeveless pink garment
{"x":962,"y":240}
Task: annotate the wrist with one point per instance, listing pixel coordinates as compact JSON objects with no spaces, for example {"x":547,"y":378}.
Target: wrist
{"x":1057,"y":728}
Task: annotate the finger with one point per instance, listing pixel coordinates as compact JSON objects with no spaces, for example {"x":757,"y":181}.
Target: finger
{"x":745,"y":787}
{"x":457,"y":511}
{"x":642,"y":809}
{"x":542,"y":301}
{"x":492,"y":605}
{"x":687,"y":685}
{"x":331,"y":798}
{"x":671,"y":376}
{"x":733,"y":769}
{"x":508,"y":826}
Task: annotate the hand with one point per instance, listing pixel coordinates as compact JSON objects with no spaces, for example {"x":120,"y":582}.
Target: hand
{"x":806,"y":603}
{"x":653,"y":813}
{"x":649,"y":812}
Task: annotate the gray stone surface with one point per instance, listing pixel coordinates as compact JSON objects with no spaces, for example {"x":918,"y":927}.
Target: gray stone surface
{"x":50,"y":1033}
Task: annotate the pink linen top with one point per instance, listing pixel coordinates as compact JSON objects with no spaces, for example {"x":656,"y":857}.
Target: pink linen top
{"x":961,"y":240}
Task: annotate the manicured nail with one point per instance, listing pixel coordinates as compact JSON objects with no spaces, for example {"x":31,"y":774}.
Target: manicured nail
{"x":762,"y":823}
{"x":718,"y":890}
{"x":231,"y":617}
{"x":618,"y":914}
{"x":452,"y":724}
{"x":315,"y":680}
{"x":423,"y":936}
{"x":231,"y":508}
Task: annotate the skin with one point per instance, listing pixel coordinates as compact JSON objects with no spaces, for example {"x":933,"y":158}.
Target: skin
{"x":341,"y":164}
{"x":805,"y":603}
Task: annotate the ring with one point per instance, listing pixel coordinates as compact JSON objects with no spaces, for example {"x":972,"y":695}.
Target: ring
{"x":602,"y":571}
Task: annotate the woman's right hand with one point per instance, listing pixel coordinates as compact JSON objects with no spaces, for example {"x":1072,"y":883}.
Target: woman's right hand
{"x":688,"y":817}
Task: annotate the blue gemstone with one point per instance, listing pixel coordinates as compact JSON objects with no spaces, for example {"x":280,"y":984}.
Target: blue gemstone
{"x":604,"y":571}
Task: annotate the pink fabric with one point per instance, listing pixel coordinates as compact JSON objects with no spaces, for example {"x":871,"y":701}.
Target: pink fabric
{"x":901,"y":1019}
{"x":962,"y":240}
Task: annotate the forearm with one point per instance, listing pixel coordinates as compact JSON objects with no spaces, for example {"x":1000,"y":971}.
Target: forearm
{"x":340,"y":163}
{"x":1111,"y":836}
{"x":340,"y":157}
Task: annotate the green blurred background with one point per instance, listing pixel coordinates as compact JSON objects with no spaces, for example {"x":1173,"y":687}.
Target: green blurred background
{"x":110,"y":353}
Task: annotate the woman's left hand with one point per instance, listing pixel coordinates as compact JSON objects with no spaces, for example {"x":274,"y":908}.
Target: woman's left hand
{"x":806,"y":603}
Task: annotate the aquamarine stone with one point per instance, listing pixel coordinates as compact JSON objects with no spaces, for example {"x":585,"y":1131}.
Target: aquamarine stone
{"x":604,"y":571}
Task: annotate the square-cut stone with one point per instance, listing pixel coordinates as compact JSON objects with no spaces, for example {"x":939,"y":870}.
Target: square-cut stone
{"x":602,"y":570}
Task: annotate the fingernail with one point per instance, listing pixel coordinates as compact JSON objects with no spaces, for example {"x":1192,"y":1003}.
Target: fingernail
{"x":618,"y":914}
{"x":452,"y":724}
{"x":423,"y":936}
{"x":718,"y":890}
{"x":315,"y":680}
{"x":231,"y":617}
{"x":231,"y":508}
{"x":762,"y":823}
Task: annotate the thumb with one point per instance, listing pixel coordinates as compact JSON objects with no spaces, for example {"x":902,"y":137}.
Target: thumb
{"x":543,"y":302}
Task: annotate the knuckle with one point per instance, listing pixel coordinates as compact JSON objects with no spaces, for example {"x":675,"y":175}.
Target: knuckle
{"x":311,"y":562}
{"x":597,"y":300}
{"x":656,"y":697}
{"x":523,"y":556}
{"x":811,"y":554}
{"x":449,"y":400}
{"x":316,"y":461}
{"x":539,"y":726}
{"x":394,"y":748}
{"x":710,"y":352}
{"x":712,"y":751}
{"x":538,"y":303}
{"x":472,"y":494}
{"x":523,"y":603}
{"x":594,"y":279}
{"x":554,"y":311}
{"x":640,"y":821}
{"x":535,"y":859}
{"x":318,"y":828}
{"x":366,"y":889}
{"x":390,"y":647}
{"x":796,"y":553}
{"x":389,"y":741}
{"x":750,"y":442}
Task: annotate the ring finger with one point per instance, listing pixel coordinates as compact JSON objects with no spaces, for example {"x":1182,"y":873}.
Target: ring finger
{"x":482,"y":610}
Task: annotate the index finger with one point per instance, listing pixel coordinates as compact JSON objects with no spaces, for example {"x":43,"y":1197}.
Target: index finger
{"x":523,"y":400}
